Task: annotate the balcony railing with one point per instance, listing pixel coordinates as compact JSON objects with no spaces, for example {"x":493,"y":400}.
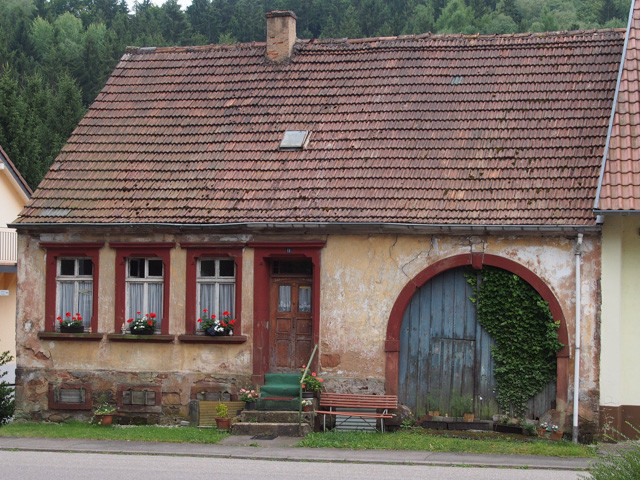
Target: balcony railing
{"x":8,"y":246}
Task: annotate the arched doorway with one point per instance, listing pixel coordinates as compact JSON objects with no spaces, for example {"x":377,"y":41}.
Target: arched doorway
{"x":445,"y":359}
{"x":394,"y":340}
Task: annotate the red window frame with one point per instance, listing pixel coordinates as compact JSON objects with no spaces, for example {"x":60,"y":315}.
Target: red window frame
{"x":196,"y":251}
{"x":126,"y":250}
{"x":55,"y":251}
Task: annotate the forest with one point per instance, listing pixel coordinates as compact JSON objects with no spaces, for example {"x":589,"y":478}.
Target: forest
{"x":55,"y":55}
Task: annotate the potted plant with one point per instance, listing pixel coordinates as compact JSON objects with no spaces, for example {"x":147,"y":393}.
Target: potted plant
{"x":306,"y":404}
{"x":311,"y":384}
{"x":143,"y":325}
{"x":551,"y":430}
{"x":71,"y":324}
{"x":211,"y":325}
{"x":223,"y":422}
{"x":104,"y":412}
{"x":248,"y":396}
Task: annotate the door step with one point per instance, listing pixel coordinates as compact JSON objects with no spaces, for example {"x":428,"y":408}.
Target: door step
{"x":278,"y":423}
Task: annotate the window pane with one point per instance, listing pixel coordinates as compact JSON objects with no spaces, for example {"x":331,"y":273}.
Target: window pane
{"x":66,"y":299}
{"x":304,"y":299}
{"x":284,"y":298}
{"x":136,"y":268}
{"x":135,"y":297}
{"x":227,"y":297}
{"x":155,"y":301}
{"x":155,"y":268}
{"x":67,"y":266}
{"x":85,"y":296}
{"x":85,"y":266}
{"x":207,"y":268}
{"x":207,"y":299}
{"x":227,"y":268}
{"x":71,"y":395}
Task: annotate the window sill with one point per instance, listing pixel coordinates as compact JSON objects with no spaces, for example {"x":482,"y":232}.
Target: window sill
{"x":212,"y":339}
{"x":75,"y":337}
{"x":127,"y":337}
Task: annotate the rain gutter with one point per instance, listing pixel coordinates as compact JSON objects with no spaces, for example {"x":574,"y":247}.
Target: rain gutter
{"x":486,"y":228}
{"x":613,"y":109}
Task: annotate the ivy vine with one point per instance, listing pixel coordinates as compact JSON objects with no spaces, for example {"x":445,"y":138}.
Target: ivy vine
{"x":525,"y":336}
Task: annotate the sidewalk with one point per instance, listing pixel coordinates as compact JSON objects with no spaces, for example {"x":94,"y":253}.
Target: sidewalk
{"x":281,"y":448}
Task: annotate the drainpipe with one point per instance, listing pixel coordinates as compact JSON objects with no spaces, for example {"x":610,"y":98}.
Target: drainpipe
{"x":576,"y":369}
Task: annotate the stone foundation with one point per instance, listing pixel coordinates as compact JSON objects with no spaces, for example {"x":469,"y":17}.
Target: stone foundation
{"x":141,"y":397}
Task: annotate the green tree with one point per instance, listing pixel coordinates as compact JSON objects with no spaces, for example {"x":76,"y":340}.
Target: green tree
{"x":422,"y":19}
{"x":7,"y":399}
{"x":173,"y":23}
{"x":456,"y":17}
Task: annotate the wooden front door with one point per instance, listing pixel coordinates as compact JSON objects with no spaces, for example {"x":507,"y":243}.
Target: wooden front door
{"x":290,"y":323}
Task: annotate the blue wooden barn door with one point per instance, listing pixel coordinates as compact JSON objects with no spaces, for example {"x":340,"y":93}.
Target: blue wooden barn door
{"x":445,"y":356}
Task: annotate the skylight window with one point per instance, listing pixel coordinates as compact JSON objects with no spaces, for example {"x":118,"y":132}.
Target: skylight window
{"x":456,"y":80}
{"x":295,"y":140}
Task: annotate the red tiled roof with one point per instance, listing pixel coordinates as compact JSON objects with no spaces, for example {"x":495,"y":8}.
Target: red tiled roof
{"x":457,"y":130}
{"x":620,"y":189}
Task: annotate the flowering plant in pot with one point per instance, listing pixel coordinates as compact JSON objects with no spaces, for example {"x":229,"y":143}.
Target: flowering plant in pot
{"x":143,"y":325}
{"x":71,"y":323}
{"x":249,"y":396}
{"x":211,"y":325}
{"x":306,"y":405}
{"x":104,"y":412}
{"x":312,"y":382}
{"x":223,"y":422}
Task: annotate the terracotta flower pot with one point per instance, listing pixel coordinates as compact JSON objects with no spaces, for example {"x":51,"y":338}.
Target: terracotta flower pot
{"x":557,"y":436}
{"x":223,"y":423}
{"x":105,"y":419}
{"x":469,"y":417}
{"x":306,"y":408}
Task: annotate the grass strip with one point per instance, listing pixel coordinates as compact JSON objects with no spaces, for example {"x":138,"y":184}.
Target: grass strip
{"x":423,"y":441}
{"x":143,"y":433}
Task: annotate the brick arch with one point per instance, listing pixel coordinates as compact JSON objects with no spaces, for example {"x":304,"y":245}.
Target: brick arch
{"x":476,"y":260}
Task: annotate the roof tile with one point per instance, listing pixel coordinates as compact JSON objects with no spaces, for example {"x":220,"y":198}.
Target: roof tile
{"x":429,"y":129}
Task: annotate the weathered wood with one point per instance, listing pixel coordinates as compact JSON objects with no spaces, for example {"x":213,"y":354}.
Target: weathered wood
{"x":290,"y":330}
{"x":444,"y":352}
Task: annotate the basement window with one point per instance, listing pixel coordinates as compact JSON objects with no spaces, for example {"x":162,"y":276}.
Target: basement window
{"x":294,"y":140}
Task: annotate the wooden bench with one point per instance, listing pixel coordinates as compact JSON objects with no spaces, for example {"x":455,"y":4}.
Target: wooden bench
{"x":336,"y":404}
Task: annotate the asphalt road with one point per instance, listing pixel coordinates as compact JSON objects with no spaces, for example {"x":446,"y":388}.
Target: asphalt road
{"x":25,"y":465}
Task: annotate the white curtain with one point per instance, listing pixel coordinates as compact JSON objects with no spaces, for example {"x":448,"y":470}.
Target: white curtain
{"x":207,"y":299}
{"x":136,"y":300}
{"x":85,"y":302}
{"x":304,"y":299}
{"x":227,"y":296}
{"x":284,"y":298}
{"x":66,"y":299}
{"x":154,"y":302}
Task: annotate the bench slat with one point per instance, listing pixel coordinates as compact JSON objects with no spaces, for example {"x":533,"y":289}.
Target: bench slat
{"x":355,"y":414}
{"x":358,"y":401}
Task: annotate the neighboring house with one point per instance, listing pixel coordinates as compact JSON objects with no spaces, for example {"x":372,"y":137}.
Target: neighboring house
{"x":324,"y":192}
{"x":619,"y":204}
{"x":14,"y":194}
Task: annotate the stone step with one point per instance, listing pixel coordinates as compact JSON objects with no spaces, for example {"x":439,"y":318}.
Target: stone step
{"x":275,"y":429}
{"x":265,"y":416}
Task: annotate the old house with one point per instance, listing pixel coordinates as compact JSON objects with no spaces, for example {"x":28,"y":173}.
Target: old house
{"x":327,"y":192}
{"x":14,"y":194}
{"x":618,"y":203}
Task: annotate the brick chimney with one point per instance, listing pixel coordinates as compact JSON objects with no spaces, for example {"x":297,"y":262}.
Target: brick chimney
{"x":281,"y":35}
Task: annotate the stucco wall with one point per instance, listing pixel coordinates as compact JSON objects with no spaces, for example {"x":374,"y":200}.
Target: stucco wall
{"x":620,"y":335}
{"x":361,"y":278}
